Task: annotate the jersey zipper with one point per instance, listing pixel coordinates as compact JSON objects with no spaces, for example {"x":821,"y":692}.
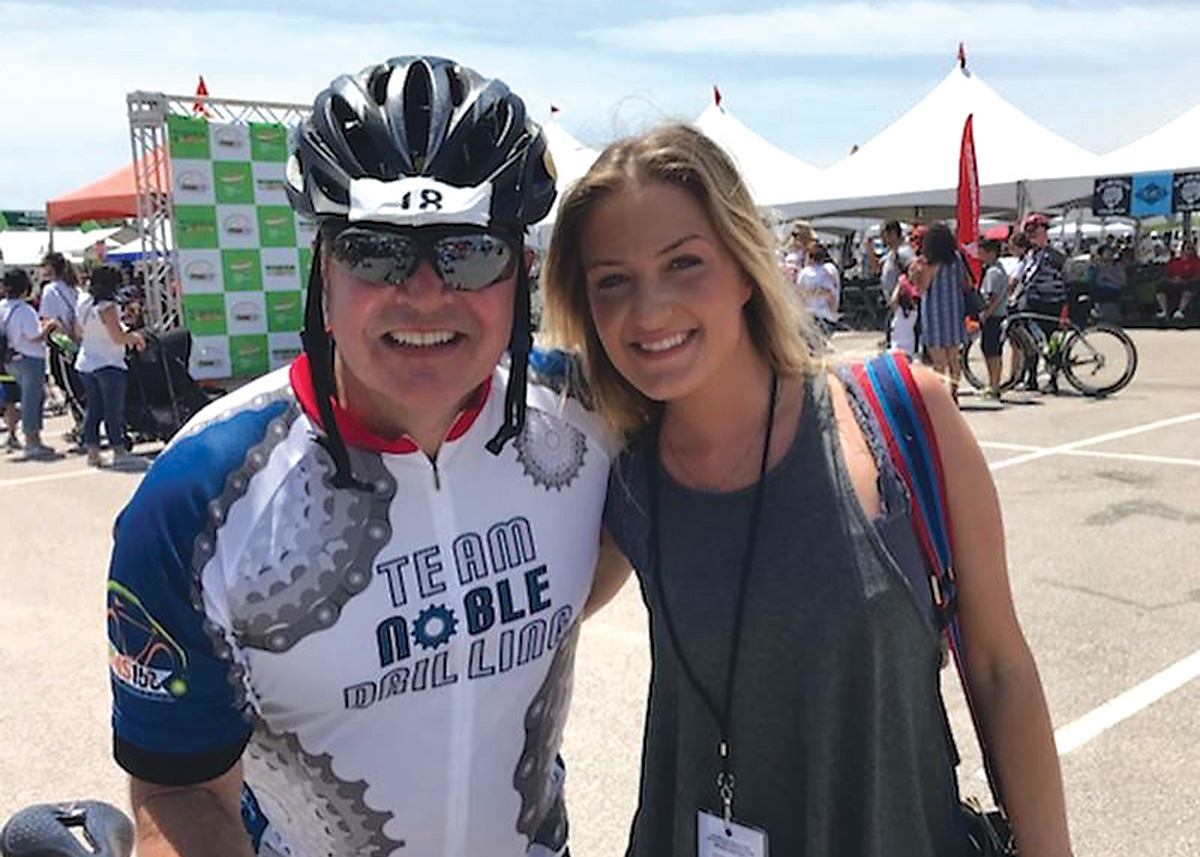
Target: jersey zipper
{"x":437,"y":474}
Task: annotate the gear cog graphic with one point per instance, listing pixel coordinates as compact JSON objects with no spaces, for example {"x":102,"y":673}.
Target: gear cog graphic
{"x":435,"y":625}
{"x":550,"y":451}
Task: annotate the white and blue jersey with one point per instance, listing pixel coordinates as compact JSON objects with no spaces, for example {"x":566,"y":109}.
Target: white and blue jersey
{"x":393,"y":668}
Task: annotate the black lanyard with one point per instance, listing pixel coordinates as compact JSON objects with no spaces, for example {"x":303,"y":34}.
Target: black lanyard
{"x":722,"y":715}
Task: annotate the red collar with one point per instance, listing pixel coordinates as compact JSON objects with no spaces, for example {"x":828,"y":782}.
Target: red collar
{"x":359,"y":436}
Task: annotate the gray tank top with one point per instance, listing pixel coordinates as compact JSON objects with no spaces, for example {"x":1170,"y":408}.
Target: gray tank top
{"x":839,"y":741}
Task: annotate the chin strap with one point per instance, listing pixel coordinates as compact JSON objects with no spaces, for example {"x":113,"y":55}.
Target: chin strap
{"x":319,"y":348}
{"x":520,"y":344}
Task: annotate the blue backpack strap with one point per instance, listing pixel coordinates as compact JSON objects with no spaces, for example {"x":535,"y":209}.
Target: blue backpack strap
{"x":891,"y":390}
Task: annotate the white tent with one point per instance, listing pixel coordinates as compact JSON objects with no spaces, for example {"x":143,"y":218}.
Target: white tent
{"x":911,"y":168}
{"x":773,"y":176}
{"x":1173,"y":147}
{"x":26,"y":248}
{"x":571,"y":161}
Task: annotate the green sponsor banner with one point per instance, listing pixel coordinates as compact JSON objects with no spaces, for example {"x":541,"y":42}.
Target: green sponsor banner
{"x":196,"y":227}
{"x":187,"y":137}
{"x":285,"y":311}
{"x":204,"y":314}
{"x":268,"y":142}
{"x":276,"y":226}
{"x":305,"y":265}
{"x":249,"y":356}
{"x":233,"y":182}
{"x":242,"y":270}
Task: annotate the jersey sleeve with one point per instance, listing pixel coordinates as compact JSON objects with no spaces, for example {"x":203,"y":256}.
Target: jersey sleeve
{"x":177,"y":716}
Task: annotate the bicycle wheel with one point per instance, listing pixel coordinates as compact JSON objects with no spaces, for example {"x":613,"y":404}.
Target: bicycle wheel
{"x":1014,"y":346}
{"x":1099,"y":360}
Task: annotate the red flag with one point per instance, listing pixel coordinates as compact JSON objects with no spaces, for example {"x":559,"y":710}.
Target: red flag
{"x":198,"y":106}
{"x":716,"y":95}
{"x":968,"y":198}
{"x":553,"y":109}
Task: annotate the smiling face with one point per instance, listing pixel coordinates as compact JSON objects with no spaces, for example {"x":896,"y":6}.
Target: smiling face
{"x":411,"y":354}
{"x":665,"y":293}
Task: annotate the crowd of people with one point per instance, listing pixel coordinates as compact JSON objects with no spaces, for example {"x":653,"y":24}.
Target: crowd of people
{"x":926,"y":281}
{"x":344,"y":602}
{"x":80,"y":317}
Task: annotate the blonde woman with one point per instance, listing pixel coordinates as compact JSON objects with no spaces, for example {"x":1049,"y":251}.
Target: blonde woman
{"x":795,"y":661}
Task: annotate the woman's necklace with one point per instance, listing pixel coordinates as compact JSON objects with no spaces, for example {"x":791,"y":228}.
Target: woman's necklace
{"x":717,"y":486}
{"x":703,"y":484}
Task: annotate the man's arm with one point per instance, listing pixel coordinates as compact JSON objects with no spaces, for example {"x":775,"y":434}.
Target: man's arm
{"x":202,"y":820}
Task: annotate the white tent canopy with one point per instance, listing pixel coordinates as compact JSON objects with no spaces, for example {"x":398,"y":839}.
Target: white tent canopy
{"x":27,"y":248}
{"x":1173,"y":147}
{"x":571,"y":160}
{"x":913,"y":163}
{"x":773,"y":176}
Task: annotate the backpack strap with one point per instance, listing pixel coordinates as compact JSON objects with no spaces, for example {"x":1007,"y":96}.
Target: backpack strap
{"x":891,"y":391}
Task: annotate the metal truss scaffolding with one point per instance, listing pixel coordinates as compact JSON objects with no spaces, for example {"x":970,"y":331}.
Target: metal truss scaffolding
{"x":148,"y":112}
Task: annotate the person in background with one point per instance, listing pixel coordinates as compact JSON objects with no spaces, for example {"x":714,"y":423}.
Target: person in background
{"x":1182,"y":275}
{"x":1014,"y":262}
{"x":27,"y":339}
{"x":819,"y":287}
{"x":60,"y":292}
{"x":1042,"y":291}
{"x":994,"y":290}
{"x":797,"y":248}
{"x":904,"y":314}
{"x":940,"y":283}
{"x":1110,"y":282}
{"x":101,"y":366}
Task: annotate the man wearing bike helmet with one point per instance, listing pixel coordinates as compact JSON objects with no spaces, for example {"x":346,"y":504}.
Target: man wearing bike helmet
{"x":344,"y":603}
{"x":1042,"y":289}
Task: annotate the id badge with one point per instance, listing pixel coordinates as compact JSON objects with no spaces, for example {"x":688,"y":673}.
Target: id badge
{"x":713,"y":840}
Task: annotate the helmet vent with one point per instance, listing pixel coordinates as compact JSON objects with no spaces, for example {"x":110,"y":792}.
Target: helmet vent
{"x":418,"y":94}
{"x":458,"y":87}
{"x":354,"y":132}
{"x":378,"y":84}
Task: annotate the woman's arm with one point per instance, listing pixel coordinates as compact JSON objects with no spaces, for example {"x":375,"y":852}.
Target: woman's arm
{"x":612,"y":570}
{"x":108,"y":315}
{"x":1004,"y":683}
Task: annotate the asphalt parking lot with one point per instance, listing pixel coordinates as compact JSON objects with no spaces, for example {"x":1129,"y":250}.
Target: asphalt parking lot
{"x":1102,"y":513}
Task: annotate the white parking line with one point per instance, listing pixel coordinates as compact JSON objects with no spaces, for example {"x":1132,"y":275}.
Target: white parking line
{"x":1075,"y":735}
{"x":49,"y":477}
{"x":1104,"y":438}
{"x":1091,"y":453}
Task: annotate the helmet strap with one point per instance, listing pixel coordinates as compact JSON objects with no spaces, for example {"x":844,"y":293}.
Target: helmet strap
{"x":320,"y":350}
{"x":520,"y":344}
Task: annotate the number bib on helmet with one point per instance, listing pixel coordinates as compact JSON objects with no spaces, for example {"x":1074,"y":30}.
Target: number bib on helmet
{"x":419,"y":201}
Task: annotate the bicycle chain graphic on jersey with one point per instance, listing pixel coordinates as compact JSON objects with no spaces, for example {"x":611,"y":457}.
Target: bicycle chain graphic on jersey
{"x":292,"y":784}
{"x":293,"y":577}
{"x":550,"y":451}
{"x":536,"y":779}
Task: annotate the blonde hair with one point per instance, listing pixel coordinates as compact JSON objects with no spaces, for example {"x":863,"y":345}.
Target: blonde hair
{"x":681,"y":156}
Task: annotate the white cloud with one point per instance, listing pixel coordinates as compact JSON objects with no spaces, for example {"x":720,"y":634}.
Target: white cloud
{"x":919,"y":28}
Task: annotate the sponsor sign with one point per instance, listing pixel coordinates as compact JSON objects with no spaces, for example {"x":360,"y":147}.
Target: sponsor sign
{"x":1151,"y":195}
{"x":1186,"y":192}
{"x":243,"y":254}
{"x":1112,"y":196}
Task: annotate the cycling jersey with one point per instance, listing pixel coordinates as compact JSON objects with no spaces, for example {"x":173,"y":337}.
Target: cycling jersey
{"x":393,"y":668}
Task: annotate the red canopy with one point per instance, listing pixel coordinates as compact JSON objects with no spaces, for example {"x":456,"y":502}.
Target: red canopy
{"x":113,"y":196}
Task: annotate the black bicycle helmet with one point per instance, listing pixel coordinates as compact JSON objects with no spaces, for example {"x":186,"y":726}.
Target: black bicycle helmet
{"x":418,"y":117}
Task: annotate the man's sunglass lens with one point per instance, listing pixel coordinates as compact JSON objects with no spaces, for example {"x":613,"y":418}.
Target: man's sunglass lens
{"x":467,"y":261}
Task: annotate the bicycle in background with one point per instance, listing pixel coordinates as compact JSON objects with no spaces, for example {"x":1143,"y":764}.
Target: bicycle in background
{"x":1097,"y":359}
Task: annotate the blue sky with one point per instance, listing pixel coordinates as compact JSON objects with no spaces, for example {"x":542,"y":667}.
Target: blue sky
{"x":814,"y":78}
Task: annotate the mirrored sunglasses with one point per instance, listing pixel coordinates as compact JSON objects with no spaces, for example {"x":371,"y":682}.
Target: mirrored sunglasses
{"x":466,"y":260}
